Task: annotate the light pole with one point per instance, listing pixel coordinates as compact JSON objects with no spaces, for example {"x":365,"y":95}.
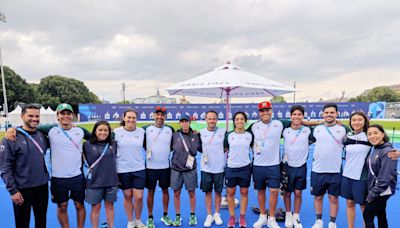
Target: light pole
{"x":3,"y":18}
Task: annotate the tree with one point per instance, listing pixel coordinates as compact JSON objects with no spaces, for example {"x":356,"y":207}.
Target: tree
{"x":18,"y":90}
{"x":278,"y":99}
{"x":55,"y":89}
{"x":380,"y":93}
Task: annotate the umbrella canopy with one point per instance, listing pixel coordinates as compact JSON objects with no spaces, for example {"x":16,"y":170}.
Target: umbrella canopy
{"x":229,"y":81}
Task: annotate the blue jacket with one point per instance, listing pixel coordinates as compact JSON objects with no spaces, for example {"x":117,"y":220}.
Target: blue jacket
{"x":22,"y":165}
{"x":384,"y":169}
{"x":179,"y":157}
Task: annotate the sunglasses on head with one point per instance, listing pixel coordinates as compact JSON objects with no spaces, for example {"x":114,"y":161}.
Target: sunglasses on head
{"x":162,"y":109}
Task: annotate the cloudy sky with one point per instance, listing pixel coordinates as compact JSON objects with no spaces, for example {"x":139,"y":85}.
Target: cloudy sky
{"x":325,"y":46}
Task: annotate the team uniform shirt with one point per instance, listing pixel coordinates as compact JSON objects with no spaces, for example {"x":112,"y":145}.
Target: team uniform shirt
{"x":158,"y":140}
{"x":357,"y":149}
{"x":66,"y":155}
{"x":266,"y":142}
{"x":296,"y":145}
{"x":213,"y":150}
{"x":239,"y":149}
{"x":328,"y":150}
{"x":130,"y":156}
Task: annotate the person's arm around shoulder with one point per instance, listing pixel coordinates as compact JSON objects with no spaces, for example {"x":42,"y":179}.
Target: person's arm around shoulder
{"x":394,"y":154}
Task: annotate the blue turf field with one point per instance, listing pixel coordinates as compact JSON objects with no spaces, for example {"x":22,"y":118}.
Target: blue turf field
{"x":307,"y":212}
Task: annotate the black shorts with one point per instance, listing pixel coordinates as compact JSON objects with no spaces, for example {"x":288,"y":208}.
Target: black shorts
{"x":210,"y":179}
{"x":266,"y":176}
{"x":136,"y":180}
{"x":325,"y":182}
{"x":163,"y":176}
{"x":238,"y":176}
{"x":63,"y":189}
{"x":297,"y":178}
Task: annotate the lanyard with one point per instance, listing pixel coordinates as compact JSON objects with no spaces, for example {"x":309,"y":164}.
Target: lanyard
{"x":333,"y":137}
{"x":155,"y":138}
{"x":69,"y":137}
{"x":184,"y":142}
{"x":295,"y":138}
{"x":266,"y":130}
{"x":212,"y":137}
{"x":32,"y":139}
{"x":98,"y":159}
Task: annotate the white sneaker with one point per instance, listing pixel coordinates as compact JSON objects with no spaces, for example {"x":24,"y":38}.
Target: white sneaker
{"x":131,"y":224}
{"x":262,"y":221}
{"x":139,"y":224}
{"x":332,"y":225}
{"x":318,"y":224}
{"x":217,"y":219}
{"x":288,"y":219}
{"x":272,"y":223}
{"x":296,"y":221}
{"x":209,"y":220}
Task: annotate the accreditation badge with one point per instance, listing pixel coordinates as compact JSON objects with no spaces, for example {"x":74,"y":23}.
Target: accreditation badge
{"x":148,"y":154}
{"x":258,"y":146}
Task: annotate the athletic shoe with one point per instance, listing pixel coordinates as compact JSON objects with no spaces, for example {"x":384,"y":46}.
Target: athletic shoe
{"x":262,"y":221}
{"x":139,"y":224}
{"x":178,"y":221}
{"x":193,"y":220}
{"x":209,"y":220}
{"x":150,"y":223}
{"x":272,"y":223}
{"x":217,"y":219}
{"x":289,"y":219}
{"x":332,"y":225}
{"x":242,"y":221}
{"x":167,"y":220}
{"x":318,"y":224}
{"x":131,"y":224}
{"x":231,"y":222}
{"x":296,"y":221}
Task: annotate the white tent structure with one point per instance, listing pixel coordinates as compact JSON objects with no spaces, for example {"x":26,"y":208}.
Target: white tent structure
{"x":50,"y":116}
{"x":14,"y":117}
{"x":229,"y":81}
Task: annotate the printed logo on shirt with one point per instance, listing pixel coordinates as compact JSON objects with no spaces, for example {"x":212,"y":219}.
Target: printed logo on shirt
{"x":2,"y":148}
{"x":24,"y":142}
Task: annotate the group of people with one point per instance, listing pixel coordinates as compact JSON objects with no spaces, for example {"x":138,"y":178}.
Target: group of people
{"x":133,"y":158}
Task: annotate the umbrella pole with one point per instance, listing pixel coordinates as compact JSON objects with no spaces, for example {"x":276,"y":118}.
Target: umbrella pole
{"x":227,"y":110}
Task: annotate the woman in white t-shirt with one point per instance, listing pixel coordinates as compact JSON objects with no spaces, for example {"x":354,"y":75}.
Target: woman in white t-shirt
{"x":131,"y":166}
{"x":238,"y":144}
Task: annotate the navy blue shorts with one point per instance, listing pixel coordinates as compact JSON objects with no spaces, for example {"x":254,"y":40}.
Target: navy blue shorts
{"x":264,"y":176}
{"x":63,"y":189}
{"x":136,"y":180}
{"x":323,"y":182}
{"x":297,"y":178}
{"x":355,"y":190}
{"x":238,"y":176}
{"x":163,"y":176}
{"x":208,"y":180}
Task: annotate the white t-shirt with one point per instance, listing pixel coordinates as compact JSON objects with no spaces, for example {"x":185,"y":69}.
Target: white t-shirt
{"x":160,"y":145}
{"x":328,"y":151}
{"x":213,"y":148}
{"x":296,"y":145}
{"x":130,"y":152}
{"x":66,"y":156}
{"x":239,"y":149}
{"x":266,"y":142}
{"x":355,"y":156}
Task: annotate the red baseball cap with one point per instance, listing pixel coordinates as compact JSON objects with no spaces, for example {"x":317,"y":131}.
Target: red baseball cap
{"x":264,"y":105}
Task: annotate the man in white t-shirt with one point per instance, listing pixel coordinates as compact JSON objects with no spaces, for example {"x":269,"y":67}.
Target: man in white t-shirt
{"x":158,"y":148}
{"x":213,"y":160}
{"x":327,"y":163}
{"x":266,"y":169}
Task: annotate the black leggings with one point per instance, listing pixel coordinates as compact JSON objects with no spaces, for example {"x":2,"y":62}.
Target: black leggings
{"x":36,"y":198}
{"x":376,"y":208}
